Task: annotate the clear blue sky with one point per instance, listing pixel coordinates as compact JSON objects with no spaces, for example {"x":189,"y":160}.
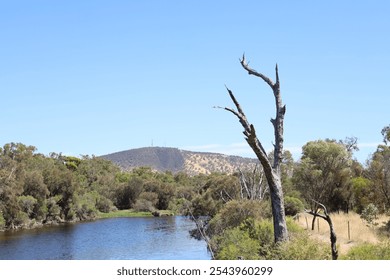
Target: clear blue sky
{"x":96,"y":77}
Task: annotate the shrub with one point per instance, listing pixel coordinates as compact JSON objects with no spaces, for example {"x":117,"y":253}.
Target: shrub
{"x":302,"y":247}
{"x":85,"y":208}
{"x":254,"y":239}
{"x":235,"y":212}
{"x":369,"y":251}
{"x":149,"y":196}
{"x":370,"y":214}
{"x":104,"y":204}
{"x":22,"y":219}
{"x":84,"y":211}
{"x":237,"y":244}
{"x":144,"y":205}
{"x":263,"y":232}
{"x":292,"y":205}
{"x":53,"y":209}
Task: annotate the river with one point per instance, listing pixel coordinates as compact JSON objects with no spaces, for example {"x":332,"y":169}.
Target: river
{"x":163,"y":238}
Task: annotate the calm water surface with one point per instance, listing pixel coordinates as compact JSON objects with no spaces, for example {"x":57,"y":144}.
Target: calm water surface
{"x":163,"y":238}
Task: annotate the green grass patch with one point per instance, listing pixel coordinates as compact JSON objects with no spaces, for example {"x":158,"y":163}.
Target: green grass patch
{"x":166,"y":212}
{"x":124,"y":213}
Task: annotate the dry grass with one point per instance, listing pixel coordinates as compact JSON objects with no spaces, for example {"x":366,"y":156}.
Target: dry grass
{"x":350,"y":229}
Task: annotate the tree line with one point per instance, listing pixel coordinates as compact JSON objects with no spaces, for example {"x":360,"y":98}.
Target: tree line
{"x":36,"y":189}
{"x":233,"y":212}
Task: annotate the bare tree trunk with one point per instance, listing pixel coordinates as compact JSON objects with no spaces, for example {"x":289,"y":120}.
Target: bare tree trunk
{"x":313,"y":222}
{"x":333,"y":237}
{"x":252,"y":186}
{"x":272,"y":170}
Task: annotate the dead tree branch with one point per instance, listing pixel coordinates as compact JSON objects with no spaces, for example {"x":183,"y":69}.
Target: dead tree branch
{"x":272,"y":171}
{"x":326,"y":217}
{"x":201,"y":229}
{"x":252,"y":186}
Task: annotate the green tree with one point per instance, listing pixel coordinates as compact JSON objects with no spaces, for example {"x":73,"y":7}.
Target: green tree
{"x":9,"y":206}
{"x":27,"y":204}
{"x":386,"y":134}
{"x":13,"y":158}
{"x":35,"y":186}
{"x":128,"y":193}
{"x":362,"y":193}
{"x":323,"y":175}
{"x":378,"y":172}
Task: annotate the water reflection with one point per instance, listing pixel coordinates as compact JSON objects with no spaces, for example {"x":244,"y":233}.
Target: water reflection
{"x":167,"y":224}
{"x":119,"y":238}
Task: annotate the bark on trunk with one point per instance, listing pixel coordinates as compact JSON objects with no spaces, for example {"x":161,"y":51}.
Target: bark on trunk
{"x":333,"y":237}
{"x":278,"y":214}
{"x":313,"y":222}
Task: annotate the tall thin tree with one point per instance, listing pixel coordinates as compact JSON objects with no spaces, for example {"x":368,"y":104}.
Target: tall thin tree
{"x":272,"y":169}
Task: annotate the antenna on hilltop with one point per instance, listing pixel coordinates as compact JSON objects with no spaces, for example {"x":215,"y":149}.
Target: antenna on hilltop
{"x":152,"y":143}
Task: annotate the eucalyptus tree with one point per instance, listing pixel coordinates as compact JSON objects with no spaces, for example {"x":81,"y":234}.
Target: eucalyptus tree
{"x":378,"y":170}
{"x":323,"y":175}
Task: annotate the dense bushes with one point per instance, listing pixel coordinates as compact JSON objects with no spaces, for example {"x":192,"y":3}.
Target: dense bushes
{"x":369,"y":251}
{"x":292,"y":205}
{"x":234,"y":212}
{"x":37,"y":189}
{"x":254,"y":239}
{"x":236,"y":244}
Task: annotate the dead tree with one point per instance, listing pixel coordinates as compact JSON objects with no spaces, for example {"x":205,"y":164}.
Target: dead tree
{"x":272,"y":170}
{"x":252,"y":184}
{"x":326,"y":217}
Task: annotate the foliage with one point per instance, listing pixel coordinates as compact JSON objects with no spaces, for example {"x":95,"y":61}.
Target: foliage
{"x":302,"y":247}
{"x":370,"y":214}
{"x":143,"y":205}
{"x":254,"y":239}
{"x":361,"y":192}
{"x":386,"y":134}
{"x":27,"y":204}
{"x":369,"y":251}
{"x":378,"y":172}
{"x":38,"y":189}
{"x":235,"y":212}
{"x":292,"y":205}
{"x":237,"y":244}
{"x":324,"y":174}
{"x":212,"y":193}
{"x":127,"y":194}
{"x":104,"y":204}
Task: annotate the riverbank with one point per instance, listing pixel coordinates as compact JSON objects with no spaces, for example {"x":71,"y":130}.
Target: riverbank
{"x":123,"y":213}
{"x":132,"y":213}
{"x":126,"y":213}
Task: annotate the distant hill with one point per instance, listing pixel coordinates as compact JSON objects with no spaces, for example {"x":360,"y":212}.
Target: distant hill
{"x":176,"y":160}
